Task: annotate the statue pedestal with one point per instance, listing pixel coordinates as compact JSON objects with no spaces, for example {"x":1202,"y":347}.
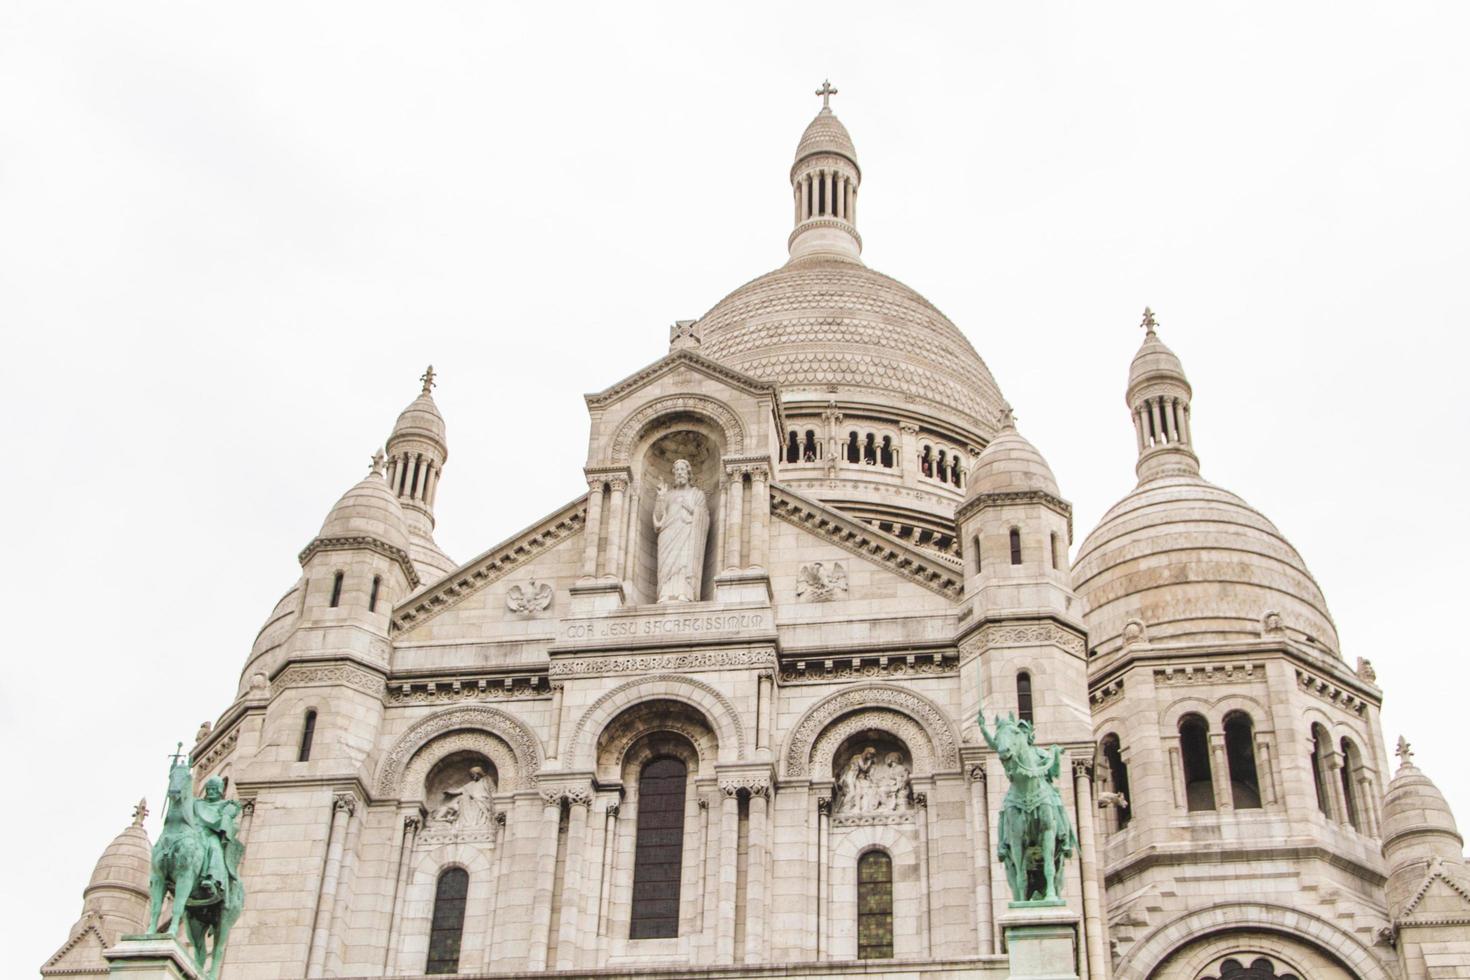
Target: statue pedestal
{"x":593,"y":597}
{"x":151,"y":956}
{"x":1041,"y":939}
{"x":743,"y":586}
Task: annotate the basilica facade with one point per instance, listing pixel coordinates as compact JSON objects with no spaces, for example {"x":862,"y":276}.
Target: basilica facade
{"x":716,"y":713}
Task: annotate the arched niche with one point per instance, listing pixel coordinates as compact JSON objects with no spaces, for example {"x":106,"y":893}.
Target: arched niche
{"x":729,"y":740}
{"x":507,"y":743}
{"x":628,"y":737}
{"x":918,"y":722}
{"x":680,"y":436}
{"x":870,"y":774}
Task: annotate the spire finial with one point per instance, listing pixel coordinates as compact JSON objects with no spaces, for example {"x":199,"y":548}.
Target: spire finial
{"x":140,"y":811}
{"x":826,"y":92}
{"x":377,"y":464}
{"x":1149,"y":323}
{"x":428,"y":379}
{"x":1405,"y":754}
{"x":1006,"y":417}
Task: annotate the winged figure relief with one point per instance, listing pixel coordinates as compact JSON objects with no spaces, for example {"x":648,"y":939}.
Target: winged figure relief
{"x":821,"y":581}
{"x":531,"y":598}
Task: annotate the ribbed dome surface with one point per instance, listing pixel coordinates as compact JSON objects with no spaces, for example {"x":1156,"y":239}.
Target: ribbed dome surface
{"x":825,"y":134}
{"x":369,"y":509}
{"x":1414,"y":805}
{"x":1010,"y":464}
{"x":1154,"y":360}
{"x":820,"y":322}
{"x":1194,"y":562}
{"x":126,"y":863}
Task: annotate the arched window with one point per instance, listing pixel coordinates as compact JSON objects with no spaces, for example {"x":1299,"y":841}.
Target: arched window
{"x":336,"y":589}
{"x":1351,"y":763}
{"x":308,"y":732}
{"x":975,"y":550}
{"x":448,"y":922}
{"x":1023,"y":697}
{"x":1194,"y":747}
{"x":875,"y":906}
{"x":870,"y":450}
{"x":1319,"y":768}
{"x":1056,"y":550}
{"x":885,"y":455}
{"x":373,"y":595}
{"x":1015,"y":546}
{"x":852,"y":447}
{"x":810,"y":452}
{"x":659,"y":851}
{"x":926,"y":461}
{"x":1240,"y":753}
{"x":793,"y":447}
{"x":1112,"y":750}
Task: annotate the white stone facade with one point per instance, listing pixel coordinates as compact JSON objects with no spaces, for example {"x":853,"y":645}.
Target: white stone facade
{"x":887,"y":557}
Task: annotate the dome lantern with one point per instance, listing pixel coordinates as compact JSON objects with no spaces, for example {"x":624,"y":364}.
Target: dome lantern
{"x":417,"y":450}
{"x":1158,"y":399}
{"x":824,"y":186}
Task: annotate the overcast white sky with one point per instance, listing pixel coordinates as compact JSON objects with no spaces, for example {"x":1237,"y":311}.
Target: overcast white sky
{"x":232,"y":235}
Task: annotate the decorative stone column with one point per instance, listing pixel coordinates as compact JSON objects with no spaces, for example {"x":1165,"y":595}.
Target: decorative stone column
{"x":926,"y":918}
{"x":404,"y":861}
{"x":554,"y":742}
{"x":540,"y":938}
{"x":615,"y":529}
{"x":1332,"y":772}
{"x":1220,"y":773}
{"x":729,"y":857}
{"x":344,"y":805}
{"x":760,"y":511}
{"x":593,"y":528}
{"x":823,"y":876}
{"x":580,"y":802}
{"x":734,"y":520}
{"x":1265,"y":769}
{"x":764,"y":682}
{"x":984,"y":899}
{"x":1092,"y":910}
{"x":755,"y":873}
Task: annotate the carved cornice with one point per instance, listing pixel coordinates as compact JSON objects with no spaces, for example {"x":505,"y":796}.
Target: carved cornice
{"x":1106,"y":694}
{"x":1330,"y":692}
{"x":824,"y":669}
{"x":1024,"y":634}
{"x":452,"y":690}
{"x":363,"y":543}
{"x":698,"y":362}
{"x":921,"y":567}
{"x":221,"y":748}
{"x":1231,"y":673}
{"x":491,"y":566}
{"x":811,"y":223}
{"x":664,"y":662}
{"x":982,"y":501}
{"x":334,"y":674}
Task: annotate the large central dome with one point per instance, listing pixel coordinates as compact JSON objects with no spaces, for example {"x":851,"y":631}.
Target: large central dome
{"x":821,"y":322}
{"x":885,"y":401}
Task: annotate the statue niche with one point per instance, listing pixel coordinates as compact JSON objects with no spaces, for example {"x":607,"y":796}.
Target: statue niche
{"x":459,"y":793}
{"x":872,"y":779}
{"x":674,"y":554}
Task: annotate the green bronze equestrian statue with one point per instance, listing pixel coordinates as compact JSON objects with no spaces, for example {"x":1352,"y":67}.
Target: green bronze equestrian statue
{"x":197,"y":861}
{"x":1036,"y":836}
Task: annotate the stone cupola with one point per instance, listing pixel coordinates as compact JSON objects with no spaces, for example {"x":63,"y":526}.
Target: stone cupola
{"x":114,"y":903}
{"x":1158,"y":399}
{"x":417,"y":450}
{"x":824,"y":187}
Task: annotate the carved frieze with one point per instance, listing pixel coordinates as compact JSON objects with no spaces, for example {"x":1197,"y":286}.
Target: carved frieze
{"x":454,"y":690}
{"x":1209,"y":674}
{"x":1330,"y":692}
{"x":1026,"y":635}
{"x":655,"y":663}
{"x":344,"y":674}
{"x":910,"y":665}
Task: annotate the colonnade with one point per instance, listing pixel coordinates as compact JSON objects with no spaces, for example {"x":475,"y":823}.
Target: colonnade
{"x":825,"y":193}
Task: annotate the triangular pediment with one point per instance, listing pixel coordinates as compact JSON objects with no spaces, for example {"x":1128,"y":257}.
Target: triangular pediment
{"x":515,"y":553}
{"x":80,"y":956}
{"x":942,"y":576}
{"x":676,"y":361}
{"x":1441,"y":891}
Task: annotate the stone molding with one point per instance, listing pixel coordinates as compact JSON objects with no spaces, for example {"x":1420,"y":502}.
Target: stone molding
{"x":1004,"y":635}
{"x":1330,"y":692}
{"x":1210,"y":674}
{"x":927,"y":569}
{"x":719,"y":713}
{"x":1106,"y":694}
{"x":490,"y":567}
{"x":699,"y":362}
{"x":508,"y":771}
{"x":754,"y":785}
{"x":330,"y":674}
{"x":662,"y":662}
{"x":1435,"y":872}
{"x":1299,"y":924}
{"x":826,"y":669}
{"x":984,"y":501}
{"x":362,"y":543}
{"x":453,"y":690}
{"x":523,"y":743}
{"x":942,"y":739}
{"x":824,"y":222}
{"x":902,"y":727}
{"x":221,"y":748}
{"x":634,"y":426}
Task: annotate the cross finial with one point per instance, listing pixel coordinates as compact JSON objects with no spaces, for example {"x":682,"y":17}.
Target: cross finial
{"x":428,"y":379}
{"x":1405,"y":754}
{"x":140,"y":812}
{"x":826,"y":92}
{"x":1149,"y":323}
{"x":178,"y":753}
{"x":377,"y":467}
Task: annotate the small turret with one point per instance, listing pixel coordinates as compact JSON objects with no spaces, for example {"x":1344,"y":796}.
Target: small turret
{"x":824,"y":185}
{"x":417,"y":452}
{"x":114,"y":903}
{"x":1158,"y":398}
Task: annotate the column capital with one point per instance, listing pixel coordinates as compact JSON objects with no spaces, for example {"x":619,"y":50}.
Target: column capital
{"x":824,"y":805}
{"x":751,"y":784}
{"x":1083,"y":768}
{"x":247,"y":805}
{"x":977,"y":773}
{"x":412,"y":823}
{"x":345,"y":801}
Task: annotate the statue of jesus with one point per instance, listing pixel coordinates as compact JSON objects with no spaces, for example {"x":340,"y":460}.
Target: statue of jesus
{"x":681,"y":521}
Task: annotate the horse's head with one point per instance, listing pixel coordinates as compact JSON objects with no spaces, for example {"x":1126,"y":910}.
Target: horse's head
{"x":180,"y":782}
{"x":1010,"y":738}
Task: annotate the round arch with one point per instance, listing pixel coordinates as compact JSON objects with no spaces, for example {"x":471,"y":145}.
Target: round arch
{"x":718,"y":414}
{"x":716,"y":708}
{"x":1176,"y":936}
{"x":939,"y":731}
{"x":523,"y":743}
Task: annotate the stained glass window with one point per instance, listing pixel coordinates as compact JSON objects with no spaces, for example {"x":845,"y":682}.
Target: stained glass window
{"x":659,"y":855}
{"x":875,"y":906}
{"x":448,"y":923}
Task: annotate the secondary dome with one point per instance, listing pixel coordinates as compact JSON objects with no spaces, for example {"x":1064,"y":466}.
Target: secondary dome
{"x":368,"y":510}
{"x":1010,"y":464}
{"x":826,"y":134}
{"x":819,"y":322}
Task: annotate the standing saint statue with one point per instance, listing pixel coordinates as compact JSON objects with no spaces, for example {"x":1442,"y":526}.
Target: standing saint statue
{"x":681,"y":521}
{"x":468,"y":807}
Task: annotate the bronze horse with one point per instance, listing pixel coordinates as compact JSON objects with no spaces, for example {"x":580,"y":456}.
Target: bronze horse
{"x":1036,"y":836}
